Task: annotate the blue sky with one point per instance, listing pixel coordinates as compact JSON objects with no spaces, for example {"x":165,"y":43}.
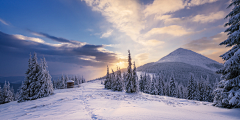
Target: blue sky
{"x":83,"y":36}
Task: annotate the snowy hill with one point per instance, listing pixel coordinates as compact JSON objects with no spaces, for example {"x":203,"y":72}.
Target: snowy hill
{"x":92,"y":102}
{"x":192,"y":58}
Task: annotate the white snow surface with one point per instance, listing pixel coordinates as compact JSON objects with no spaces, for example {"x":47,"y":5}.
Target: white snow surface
{"x":189,"y":57}
{"x":92,"y":102}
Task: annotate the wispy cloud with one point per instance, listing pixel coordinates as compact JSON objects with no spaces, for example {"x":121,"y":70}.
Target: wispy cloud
{"x":21,"y":37}
{"x":209,"y":18}
{"x":199,"y":2}
{"x":106,"y":34}
{"x":3,"y":22}
{"x":174,"y":30}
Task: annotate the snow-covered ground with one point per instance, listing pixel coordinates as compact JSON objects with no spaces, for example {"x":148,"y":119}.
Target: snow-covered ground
{"x":92,"y":101}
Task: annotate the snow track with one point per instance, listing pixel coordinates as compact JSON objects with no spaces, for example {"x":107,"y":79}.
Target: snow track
{"x":92,"y":102}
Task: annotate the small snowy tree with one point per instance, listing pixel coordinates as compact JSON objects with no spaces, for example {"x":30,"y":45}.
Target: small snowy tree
{"x":228,"y":92}
{"x":172,"y":87}
{"x":190,"y":88}
{"x":154,"y":90}
{"x":62,"y":82}
{"x":113,"y":81}
{"x":7,"y":93}
{"x":1,"y":95}
{"x":135,"y":79}
{"x":141,"y":85}
{"x":119,"y":81}
{"x":107,"y":82}
{"x":147,"y":83}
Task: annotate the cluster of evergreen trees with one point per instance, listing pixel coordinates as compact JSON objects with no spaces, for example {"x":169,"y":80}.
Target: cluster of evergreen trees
{"x":195,"y":90}
{"x":62,"y":82}
{"x":127,"y":82}
{"x":7,"y":94}
{"x":38,"y":82}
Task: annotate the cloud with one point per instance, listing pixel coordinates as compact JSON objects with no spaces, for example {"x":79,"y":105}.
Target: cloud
{"x":57,"y":39}
{"x":154,"y":42}
{"x":163,"y":6}
{"x":91,"y":30}
{"x":106,"y":34}
{"x":209,"y":18}
{"x":21,"y":46}
{"x":3,"y":22}
{"x":199,"y":2}
{"x":124,"y":15}
{"x":174,"y":30}
{"x":209,"y":46}
{"x":21,"y":37}
{"x":142,"y":56}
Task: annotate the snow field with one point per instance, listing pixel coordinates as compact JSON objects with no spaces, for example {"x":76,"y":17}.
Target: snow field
{"x":92,"y":102}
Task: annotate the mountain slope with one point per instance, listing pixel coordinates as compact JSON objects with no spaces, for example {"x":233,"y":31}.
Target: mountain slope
{"x":192,"y":58}
{"x":181,"y":63}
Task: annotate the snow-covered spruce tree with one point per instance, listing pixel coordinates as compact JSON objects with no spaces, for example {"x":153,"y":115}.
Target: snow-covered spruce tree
{"x":208,"y":91}
{"x":1,"y":96}
{"x":44,"y":82}
{"x":12,"y":90}
{"x":113,"y":79}
{"x":228,"y":92}
{"x":7,"y":93}
{"x":119,"y":81}
{"x":161,"y":88}
{"x":190,"y":88}
{"x":141,"y":85}
{"x":129,"y":76}
{"x":28,"y":87}
{"x":76,"y":81}
{"x":167,"y":91}
{"x":154,"y":90}
{"x":172,"y":87}
{"x":62,"y":82}
{"x":65,"y":80}
{"x":107,"y":82}
{"x":147,"y":83}
{"x":135,"y":79}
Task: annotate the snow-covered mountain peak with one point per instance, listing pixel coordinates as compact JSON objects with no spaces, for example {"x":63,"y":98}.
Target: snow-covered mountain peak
{"x":192,"y":58}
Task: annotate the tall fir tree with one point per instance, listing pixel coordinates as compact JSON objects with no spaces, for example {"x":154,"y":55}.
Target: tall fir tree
{"x":228,"y":92}
{"x":129,"y":78}
{"x":28,"y":86}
